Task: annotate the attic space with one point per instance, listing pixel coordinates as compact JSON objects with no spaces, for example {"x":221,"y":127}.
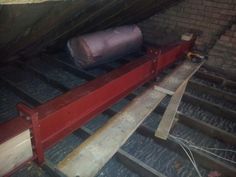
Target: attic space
{"x":118,"y":88}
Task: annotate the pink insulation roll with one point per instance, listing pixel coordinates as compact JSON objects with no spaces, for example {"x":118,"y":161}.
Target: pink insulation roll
{"x":103,"y":46}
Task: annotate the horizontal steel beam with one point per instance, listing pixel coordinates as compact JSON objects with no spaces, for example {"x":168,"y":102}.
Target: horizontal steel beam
{"x":66,"y":113}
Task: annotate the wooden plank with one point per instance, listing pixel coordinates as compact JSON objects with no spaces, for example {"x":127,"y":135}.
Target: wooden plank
{"x":126,"y":159}
{"x":15,"y":151}
{"x":169,"y":115}
{"x":87,"y":159}
{"x":179,"y":75}
{"x":207,"y":129}
{"x":163,"y":90}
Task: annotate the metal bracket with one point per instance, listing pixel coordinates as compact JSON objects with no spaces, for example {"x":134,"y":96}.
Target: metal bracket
{"x":31,"y":115}
{"x":154,"y":55}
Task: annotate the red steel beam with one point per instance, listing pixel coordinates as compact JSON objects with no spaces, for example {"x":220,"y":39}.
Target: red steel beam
{"x":63,"y":115}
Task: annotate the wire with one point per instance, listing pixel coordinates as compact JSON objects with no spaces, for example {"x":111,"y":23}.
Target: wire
{"x":191,"y":157}
{"x":204,"y":149}
{"x":189,"y":154}
{"x":209,"y":148}
{"x":220,"y":149}
{"x":199,"y":148}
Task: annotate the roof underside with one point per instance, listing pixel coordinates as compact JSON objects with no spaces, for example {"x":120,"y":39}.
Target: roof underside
{"x":42,"y":23}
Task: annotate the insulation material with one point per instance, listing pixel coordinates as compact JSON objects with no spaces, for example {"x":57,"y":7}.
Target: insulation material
{"x":103,"y":46}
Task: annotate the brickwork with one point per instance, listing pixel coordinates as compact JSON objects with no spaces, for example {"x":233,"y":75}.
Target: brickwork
{"x":210,"y":19}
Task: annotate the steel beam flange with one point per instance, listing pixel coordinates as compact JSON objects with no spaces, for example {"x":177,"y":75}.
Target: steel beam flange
{"x":32,"y":116}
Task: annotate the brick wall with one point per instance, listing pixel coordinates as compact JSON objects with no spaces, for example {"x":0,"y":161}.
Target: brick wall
{"x":223,"y":54}
{"x":210,"y":18}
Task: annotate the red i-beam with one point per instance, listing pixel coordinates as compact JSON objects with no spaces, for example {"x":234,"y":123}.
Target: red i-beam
{"x":52,"y":121}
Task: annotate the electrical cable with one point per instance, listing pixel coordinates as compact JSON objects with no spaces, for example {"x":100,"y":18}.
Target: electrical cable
{"x":189,"y":154}
{"x":187,"y":145}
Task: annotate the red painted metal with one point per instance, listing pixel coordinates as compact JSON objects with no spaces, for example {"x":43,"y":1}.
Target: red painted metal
{"x":12,"y":128}
{"x":31,"y":115}
{"x":61,"y":116}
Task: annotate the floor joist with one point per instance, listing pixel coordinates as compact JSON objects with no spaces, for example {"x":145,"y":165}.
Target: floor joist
{"x":213,"y":91}
{"x":207,"y":129}
{"x":212,"y":107}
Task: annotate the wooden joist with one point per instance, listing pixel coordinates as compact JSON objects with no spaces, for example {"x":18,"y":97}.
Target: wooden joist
{"x":163,"y":90}
{"x":212,"y":107}
{"x":44,"y":77}
{"x":218,"y":93}
{"x":20,"y":92}
{"x":137,"y":165}
{"x":207,"y":129}
{"x":217,"y":79}
{"x":183,"y":74}
{"x":169,"y":115}
{"x":179,"y":75}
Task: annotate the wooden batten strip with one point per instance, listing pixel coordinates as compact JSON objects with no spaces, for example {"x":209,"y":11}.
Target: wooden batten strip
{"x":185,"y":72}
